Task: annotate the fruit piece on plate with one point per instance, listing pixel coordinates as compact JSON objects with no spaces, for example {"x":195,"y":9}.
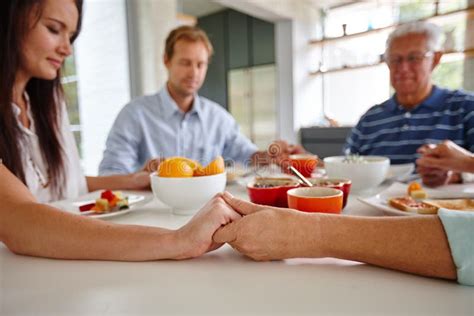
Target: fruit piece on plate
{"x":86,"y":207}
{"x":122,"y":204}
{"x":418,"y":194}
{"x":103,"y":204}
{"x":416,"y":191}
{"x":107,"y":194}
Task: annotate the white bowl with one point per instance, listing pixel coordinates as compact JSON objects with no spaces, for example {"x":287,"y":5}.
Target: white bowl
{"x":187,"y":195}
{"x":366,"y":173}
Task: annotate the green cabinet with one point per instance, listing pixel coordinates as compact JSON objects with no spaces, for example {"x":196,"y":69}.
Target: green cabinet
{"x":262,"y":41}
{"x":240,"y":41}
{"x":215,"y":86}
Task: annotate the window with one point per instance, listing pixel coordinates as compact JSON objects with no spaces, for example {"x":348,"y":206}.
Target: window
{"x":69,"y":82}
{"x":354,"y":41}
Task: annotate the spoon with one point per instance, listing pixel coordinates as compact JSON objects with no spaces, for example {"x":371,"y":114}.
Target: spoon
{"x":300,"y":176}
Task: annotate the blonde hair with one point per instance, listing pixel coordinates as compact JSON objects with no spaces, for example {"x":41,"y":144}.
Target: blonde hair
{"x":187,"y":33}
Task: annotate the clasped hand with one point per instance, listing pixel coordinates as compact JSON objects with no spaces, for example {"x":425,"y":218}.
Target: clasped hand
{"x":259,"y":232}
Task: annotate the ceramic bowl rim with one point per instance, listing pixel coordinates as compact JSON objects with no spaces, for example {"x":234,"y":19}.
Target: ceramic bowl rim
{"x":155,"y":175}
{"x":336,"y":193}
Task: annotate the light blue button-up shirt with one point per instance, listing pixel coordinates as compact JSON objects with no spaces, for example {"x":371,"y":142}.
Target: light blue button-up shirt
{"x":154,"y":127}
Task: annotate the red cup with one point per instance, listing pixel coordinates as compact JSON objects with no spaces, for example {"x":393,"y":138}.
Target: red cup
{"x":342,"y":184}
{"x":316,"y":200}
{"x":271,"y":191}
{"x":304,"y":163}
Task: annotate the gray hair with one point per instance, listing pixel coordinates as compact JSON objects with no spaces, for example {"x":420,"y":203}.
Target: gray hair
{"x":430,"y":30}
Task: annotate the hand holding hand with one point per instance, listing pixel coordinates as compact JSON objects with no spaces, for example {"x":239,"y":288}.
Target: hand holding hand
{"x":433,"y":177}
{"x":195,"y":238}
{"x":446,"y":156}
{"x":264,"y":233}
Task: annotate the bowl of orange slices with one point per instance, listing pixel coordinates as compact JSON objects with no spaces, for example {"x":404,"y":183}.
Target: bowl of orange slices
{"x":185,"y":185}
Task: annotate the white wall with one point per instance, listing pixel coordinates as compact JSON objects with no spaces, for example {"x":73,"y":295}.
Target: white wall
{"x":308,"y":92}
{"x":113,"y":67}
{"x":103,"y":74}
{"x":150,"y":21}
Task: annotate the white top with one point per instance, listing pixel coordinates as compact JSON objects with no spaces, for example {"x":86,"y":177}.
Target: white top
{"x":35,"y":167}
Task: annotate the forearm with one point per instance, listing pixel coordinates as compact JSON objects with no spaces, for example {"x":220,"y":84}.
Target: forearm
{"x":41,"y":230}
{"x":412,"y":244}
{"x":115,"y":182}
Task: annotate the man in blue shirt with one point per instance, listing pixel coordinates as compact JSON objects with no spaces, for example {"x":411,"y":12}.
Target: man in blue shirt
{"x":419,"y":113}
{"x":176,"y":121}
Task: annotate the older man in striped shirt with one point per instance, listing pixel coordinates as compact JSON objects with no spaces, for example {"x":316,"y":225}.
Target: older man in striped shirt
{"x":419,"y":113}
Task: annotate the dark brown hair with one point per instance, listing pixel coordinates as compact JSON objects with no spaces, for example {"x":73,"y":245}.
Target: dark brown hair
{"x":45,"y":95}
{"x":187,"y":33}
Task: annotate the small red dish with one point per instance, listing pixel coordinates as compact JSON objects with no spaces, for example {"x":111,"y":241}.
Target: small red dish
{"x":304,"y":163}
{"x":271,"y":191}
{"x":342,"y":184}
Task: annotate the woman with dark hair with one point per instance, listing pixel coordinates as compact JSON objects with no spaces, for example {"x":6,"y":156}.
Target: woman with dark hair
{"x":36,"y":143}
{"x":37,"y":148}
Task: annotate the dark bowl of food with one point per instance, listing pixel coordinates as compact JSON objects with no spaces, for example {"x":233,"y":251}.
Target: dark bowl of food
{"x":271,"y":191}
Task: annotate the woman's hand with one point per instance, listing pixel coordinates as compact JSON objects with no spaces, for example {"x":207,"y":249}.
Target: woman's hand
{"x":195,"y":238}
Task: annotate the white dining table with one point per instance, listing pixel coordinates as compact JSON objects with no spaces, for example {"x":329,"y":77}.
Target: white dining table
{"x":222,"y":282}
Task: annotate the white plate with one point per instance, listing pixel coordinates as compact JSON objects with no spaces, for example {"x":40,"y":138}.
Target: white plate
{"x":380,"y":200}
{"x":134,"y":201}
{"x":400,"y":172}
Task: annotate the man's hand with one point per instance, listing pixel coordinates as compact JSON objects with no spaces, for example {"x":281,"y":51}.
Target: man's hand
{"x":152,"y":165}
{"x":441,"y":164}
{"x":277,"y":153}
{"x":436,"y":177}
{"x":264,"y":233}
{"x":140,"y":180}
{"x":446,"y":156}
{"x":195,"y":238}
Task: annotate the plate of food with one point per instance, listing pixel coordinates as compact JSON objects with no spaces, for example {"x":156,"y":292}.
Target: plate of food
{"x":106,"y":204}
{"x":411,"y":199}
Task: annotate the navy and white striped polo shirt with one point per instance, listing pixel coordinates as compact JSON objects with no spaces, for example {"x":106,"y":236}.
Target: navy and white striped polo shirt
{"x":388,"y":129}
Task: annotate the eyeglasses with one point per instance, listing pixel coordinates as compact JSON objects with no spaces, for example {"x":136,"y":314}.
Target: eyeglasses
{"x":412,"y":59}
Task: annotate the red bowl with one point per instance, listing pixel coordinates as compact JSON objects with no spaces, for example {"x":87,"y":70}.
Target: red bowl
{"x":271,"y":191}
{"x":342,"y":184}
{"x":304,"y":163}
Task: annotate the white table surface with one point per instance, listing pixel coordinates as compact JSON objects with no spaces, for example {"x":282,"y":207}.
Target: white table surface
{"x":220,"y":283}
